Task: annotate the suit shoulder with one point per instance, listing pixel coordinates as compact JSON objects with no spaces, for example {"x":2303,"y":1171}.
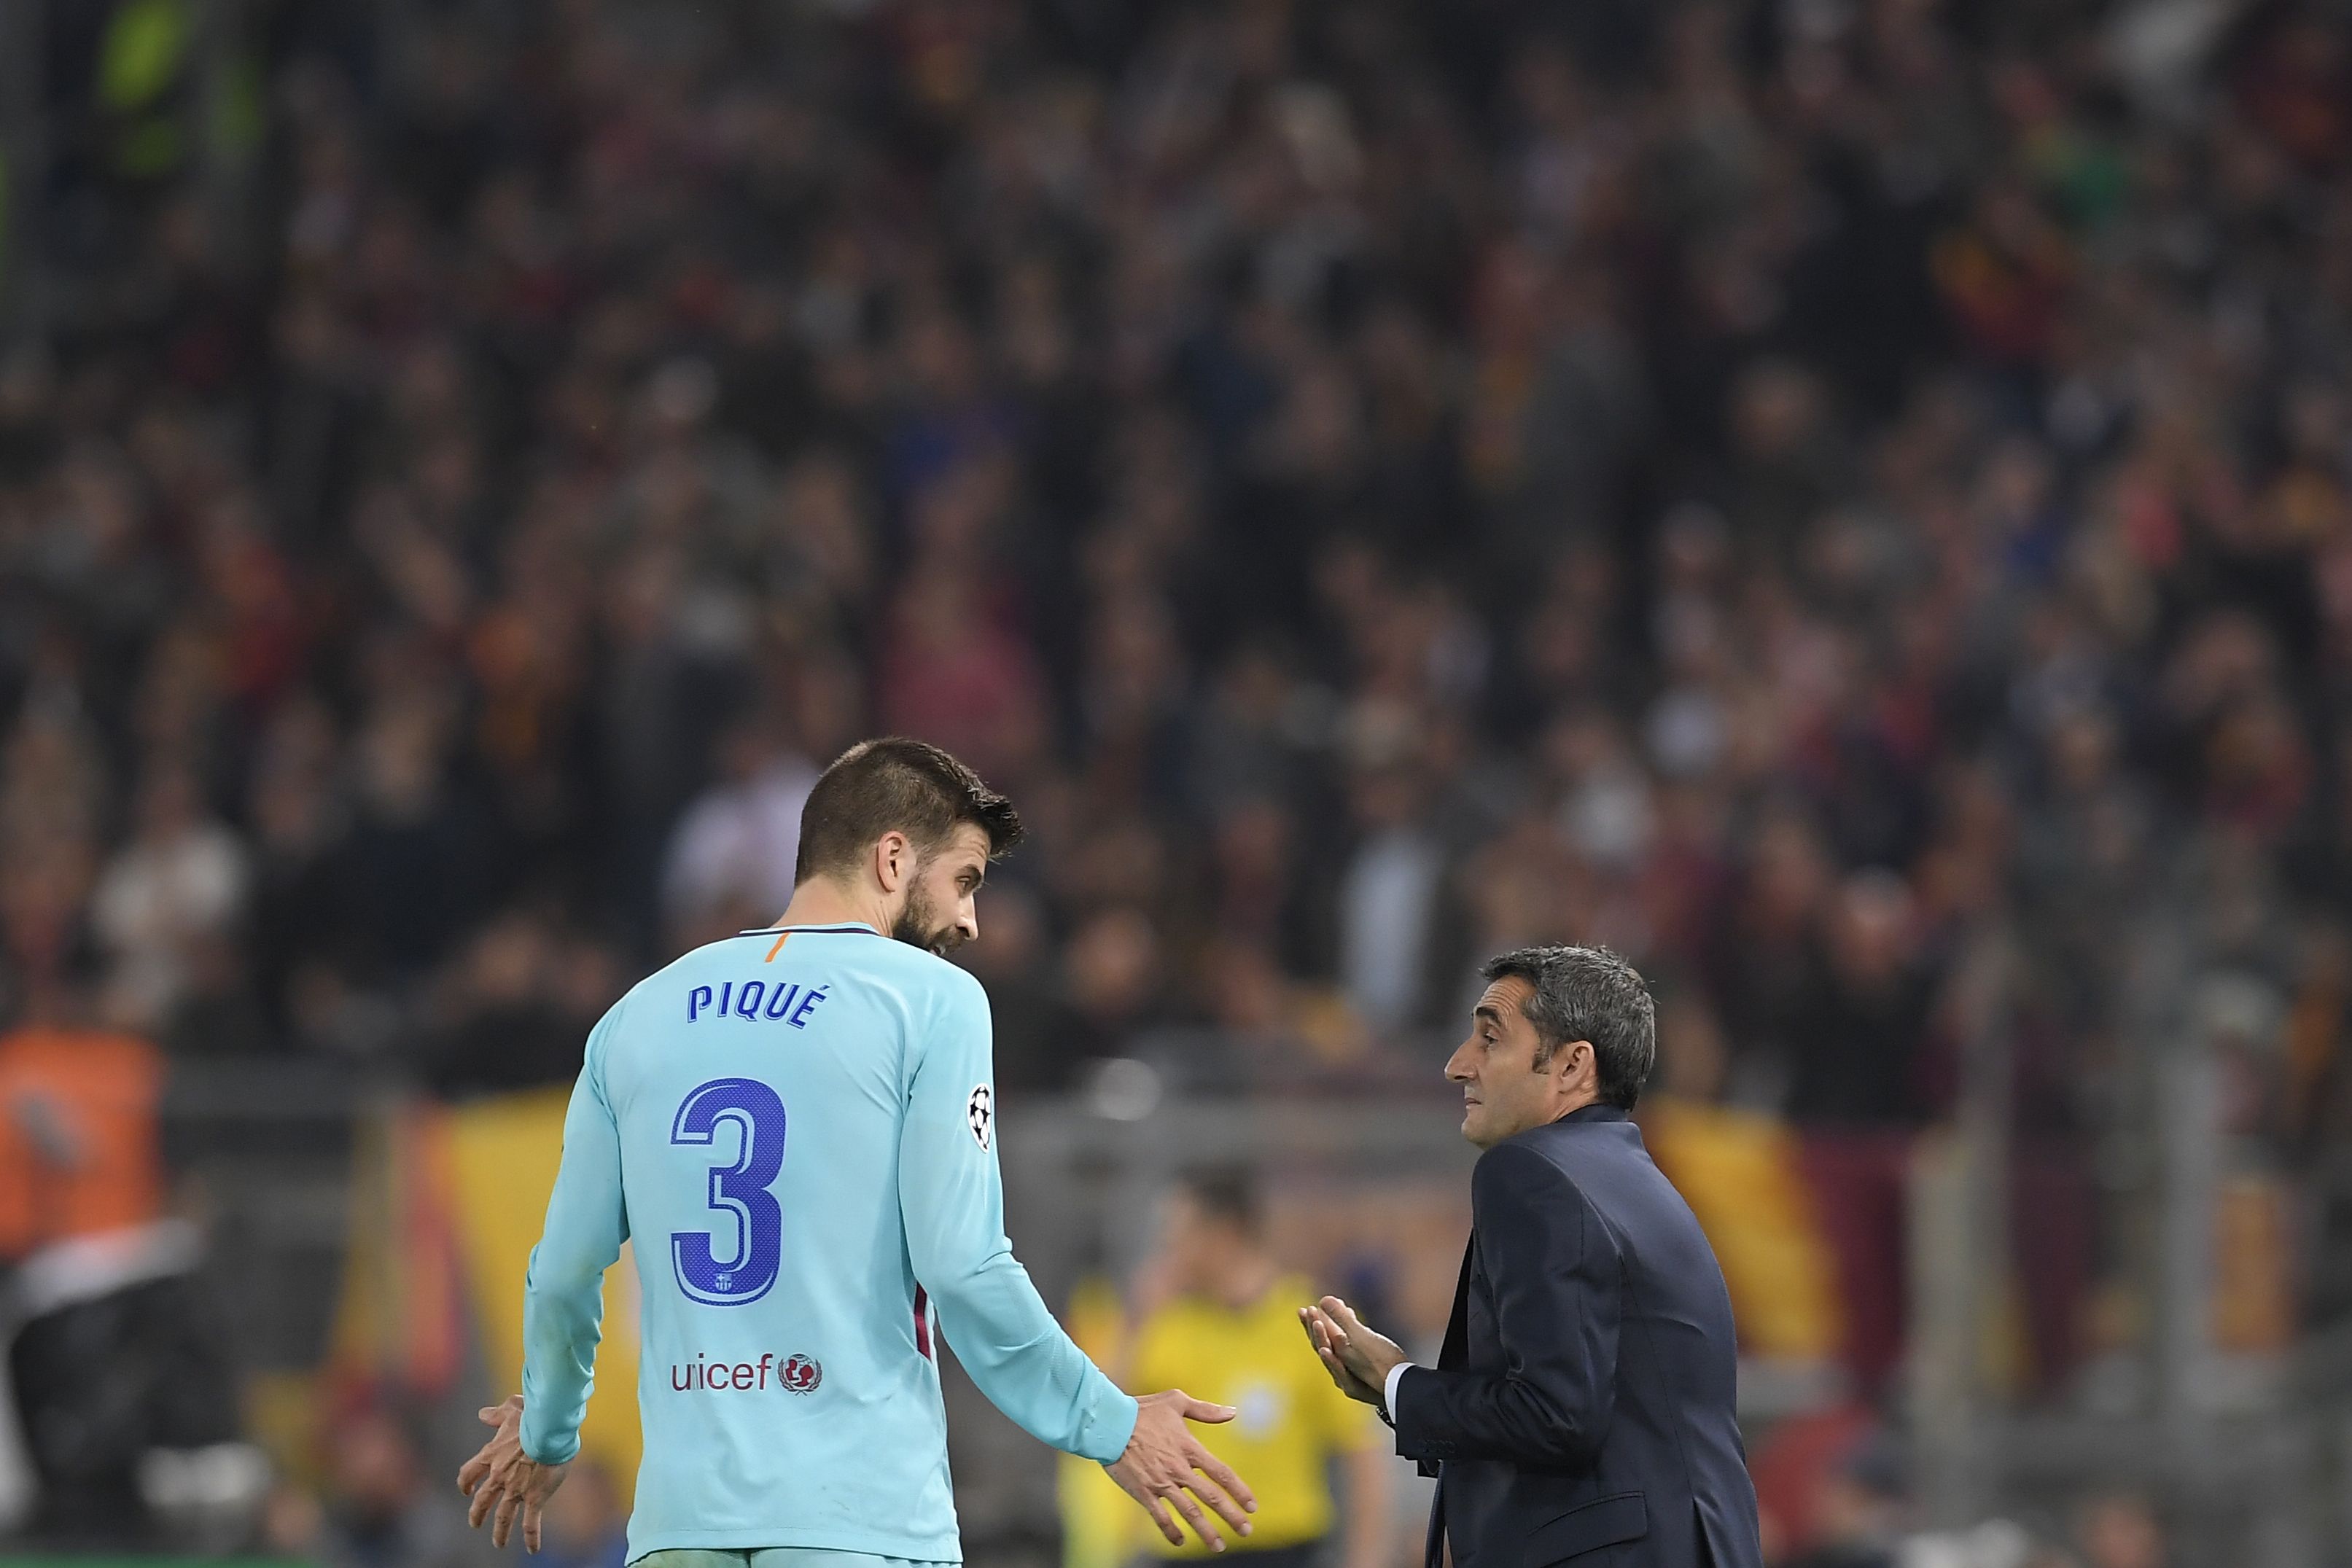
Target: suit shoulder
{"x":1519,"y":1165}
{"x":1519,"y":1188}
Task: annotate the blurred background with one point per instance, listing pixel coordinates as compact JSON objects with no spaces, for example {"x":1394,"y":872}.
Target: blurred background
{"x":1848,"y":502}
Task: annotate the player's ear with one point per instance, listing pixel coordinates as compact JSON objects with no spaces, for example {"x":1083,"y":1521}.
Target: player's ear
{"x":894,"y":860}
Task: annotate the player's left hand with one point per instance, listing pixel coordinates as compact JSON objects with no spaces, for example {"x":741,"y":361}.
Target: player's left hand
{"x":1166,"y":1467}
{"x":1358,"y":1359}
{"x":506,"y":1483}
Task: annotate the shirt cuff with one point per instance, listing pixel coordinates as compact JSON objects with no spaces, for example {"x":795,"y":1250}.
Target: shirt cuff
{"x":549,"y":1448}
{"x":1389,"y":1394}
{"x":1104,"y":1432}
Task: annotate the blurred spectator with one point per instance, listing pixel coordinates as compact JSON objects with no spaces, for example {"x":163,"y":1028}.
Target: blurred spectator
{"x":80,"y":1150}
{"x":736,"y":845}
{"x":114,"y":1354}
{"x":1033,"y":1024}
{"x":381,"y":1511}
{"x":1792,"y":1466}
{"x":1259,"y":891}
{"x":1856,"y":1031}
{"x":1113,"y":966}
{"x":218,"y":1013}
{"x":503,"y":1023}
{"x":1860,"y":1509}
{"x":412,"y":866}
{"x":1857,"y":1025}
{"x":585,"y":1526}
{"x":181,"y":878}
{"x":292,"y":1526}
{"x":2120,"y":1529}
{"x":1388,"y":899}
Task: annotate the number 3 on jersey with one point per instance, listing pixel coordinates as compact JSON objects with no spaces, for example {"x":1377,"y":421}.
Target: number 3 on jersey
{"x":739,"y":1188}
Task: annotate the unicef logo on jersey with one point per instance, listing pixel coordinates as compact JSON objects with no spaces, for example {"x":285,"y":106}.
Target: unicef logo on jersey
{"x":801,"y":1375}
{"x":794,"y":1374}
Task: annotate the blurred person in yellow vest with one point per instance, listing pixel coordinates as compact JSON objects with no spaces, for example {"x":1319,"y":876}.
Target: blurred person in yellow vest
{"x":1216,"y":1311}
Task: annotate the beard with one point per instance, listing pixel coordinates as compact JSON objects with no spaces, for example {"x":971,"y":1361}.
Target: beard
{"x":918,"y":924}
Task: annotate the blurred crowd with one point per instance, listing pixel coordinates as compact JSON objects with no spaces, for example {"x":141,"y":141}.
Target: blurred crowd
{"x":1790,"y":490}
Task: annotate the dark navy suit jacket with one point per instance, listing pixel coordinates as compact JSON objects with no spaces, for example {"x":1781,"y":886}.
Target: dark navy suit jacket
{"x":1582,"y":1408}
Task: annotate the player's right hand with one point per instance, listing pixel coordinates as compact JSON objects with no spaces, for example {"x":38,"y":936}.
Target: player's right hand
{"x":507,"y":1485}
{"x":1165,"y":1466}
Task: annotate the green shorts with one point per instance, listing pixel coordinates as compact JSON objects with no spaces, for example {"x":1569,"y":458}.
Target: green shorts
{"x":776,"y":1557}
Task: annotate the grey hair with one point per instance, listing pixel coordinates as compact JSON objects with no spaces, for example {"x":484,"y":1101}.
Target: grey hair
{"x":1589,"y":994}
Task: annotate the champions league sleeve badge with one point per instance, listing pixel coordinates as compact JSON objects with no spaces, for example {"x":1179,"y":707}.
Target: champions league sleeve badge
{"x":978,"y":1112}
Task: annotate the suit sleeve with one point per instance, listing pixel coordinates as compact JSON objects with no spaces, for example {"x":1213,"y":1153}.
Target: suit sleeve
{"x":1556,"y":1274}
{"x":563,"y":1295}
{"x":952,"y":1199}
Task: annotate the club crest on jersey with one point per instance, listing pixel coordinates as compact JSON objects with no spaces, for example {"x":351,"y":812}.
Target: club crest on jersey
{"x":801,"y":1373}
{"x":979,"y":1113}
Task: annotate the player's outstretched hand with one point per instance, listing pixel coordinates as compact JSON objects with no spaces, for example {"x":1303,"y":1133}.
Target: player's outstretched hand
{"x":506,"y":1483}
{"x":1166,"y":1466}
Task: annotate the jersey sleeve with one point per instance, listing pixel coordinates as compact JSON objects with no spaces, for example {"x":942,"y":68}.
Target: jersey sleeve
{"x":563,"y":1296}
{"x":951,"y":1201}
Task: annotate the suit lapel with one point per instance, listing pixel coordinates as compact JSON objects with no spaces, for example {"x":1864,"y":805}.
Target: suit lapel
{"x":1452,"y":1356}
{"x":1454,"y":1353}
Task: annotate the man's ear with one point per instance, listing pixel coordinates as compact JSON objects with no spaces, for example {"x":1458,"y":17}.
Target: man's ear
{"x":894,"y":860}
{"x":1577,"y":1062}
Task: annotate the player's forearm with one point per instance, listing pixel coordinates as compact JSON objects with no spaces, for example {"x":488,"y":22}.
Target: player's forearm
{"x":563,"y":1295}
{"x":1019,"y":1356}
{"x":562,"y":1322}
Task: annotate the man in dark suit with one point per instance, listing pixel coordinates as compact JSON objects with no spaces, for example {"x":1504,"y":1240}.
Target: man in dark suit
{"x":1582,"y":1408}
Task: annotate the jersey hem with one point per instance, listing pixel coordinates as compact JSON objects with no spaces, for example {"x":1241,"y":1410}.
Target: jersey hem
{"x":761,"y":1539}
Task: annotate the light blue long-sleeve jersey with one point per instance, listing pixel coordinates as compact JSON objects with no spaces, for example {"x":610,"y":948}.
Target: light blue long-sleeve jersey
{"x":800,"y":1136}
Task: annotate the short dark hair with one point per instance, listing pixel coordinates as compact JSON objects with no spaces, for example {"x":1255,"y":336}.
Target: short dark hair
{"x":895,"y":785}
{"x":1588,"y":994}
{"x":1229,"y":1193}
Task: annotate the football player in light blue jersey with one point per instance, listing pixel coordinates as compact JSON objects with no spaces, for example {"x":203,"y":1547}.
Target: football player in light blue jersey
{"x":797,"y":1126}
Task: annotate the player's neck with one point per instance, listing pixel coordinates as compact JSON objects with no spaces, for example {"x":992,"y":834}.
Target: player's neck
{"x":822,"y":901}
